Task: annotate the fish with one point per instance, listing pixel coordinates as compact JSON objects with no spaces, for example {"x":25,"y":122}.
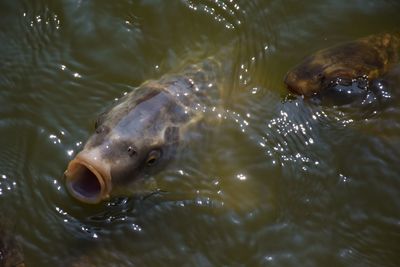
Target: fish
{"x":387,"y":87}
{"x":367,"y":58}
{"x":391,"y":79}
{"x":140,"y":135}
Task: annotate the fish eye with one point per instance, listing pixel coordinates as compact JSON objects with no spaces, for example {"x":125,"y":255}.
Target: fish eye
{"x":153,"y":156}
{"x":318,"y":77}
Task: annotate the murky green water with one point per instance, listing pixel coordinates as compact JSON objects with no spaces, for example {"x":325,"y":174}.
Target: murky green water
{"x":277,"y":184}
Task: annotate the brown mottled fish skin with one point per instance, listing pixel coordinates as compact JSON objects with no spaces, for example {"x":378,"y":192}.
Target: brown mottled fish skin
{"x":368,"y":57}
{"x":141,"y":134}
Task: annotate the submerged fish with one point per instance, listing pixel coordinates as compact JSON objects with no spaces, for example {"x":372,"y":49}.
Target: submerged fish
{"x":368,"y":57}
{"x":141,"y":134}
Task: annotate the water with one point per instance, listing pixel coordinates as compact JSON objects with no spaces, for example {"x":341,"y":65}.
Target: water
{"x":279,"y":183}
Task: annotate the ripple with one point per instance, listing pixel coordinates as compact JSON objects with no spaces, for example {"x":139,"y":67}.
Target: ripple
{"x":228,"y":13}
{"x":12,"y":156}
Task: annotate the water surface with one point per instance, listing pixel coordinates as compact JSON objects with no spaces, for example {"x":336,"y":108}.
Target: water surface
{"x":279,"y":183}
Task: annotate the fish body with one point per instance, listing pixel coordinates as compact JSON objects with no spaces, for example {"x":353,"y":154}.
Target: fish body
{"x":142,"y":133}
{"x":368,"y":57}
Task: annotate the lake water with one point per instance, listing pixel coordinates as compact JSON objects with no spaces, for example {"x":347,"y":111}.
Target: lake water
{"x":279,"y":183}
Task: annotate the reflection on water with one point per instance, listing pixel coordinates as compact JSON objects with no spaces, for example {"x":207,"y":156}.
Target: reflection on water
{"x":279,"y":181}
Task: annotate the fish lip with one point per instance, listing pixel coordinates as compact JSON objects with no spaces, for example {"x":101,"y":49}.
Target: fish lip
{"x":75,"y":179}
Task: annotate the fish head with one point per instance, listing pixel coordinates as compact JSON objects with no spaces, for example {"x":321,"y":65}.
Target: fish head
{"x":306,"y":78}
{"x":135,"y":139}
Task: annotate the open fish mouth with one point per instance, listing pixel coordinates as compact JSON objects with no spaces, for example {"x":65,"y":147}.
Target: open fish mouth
{"x":87,"y":181}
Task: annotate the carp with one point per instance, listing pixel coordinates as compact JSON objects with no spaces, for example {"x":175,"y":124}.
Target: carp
{"x":142,"y":133}
{"x":367,"y":58}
